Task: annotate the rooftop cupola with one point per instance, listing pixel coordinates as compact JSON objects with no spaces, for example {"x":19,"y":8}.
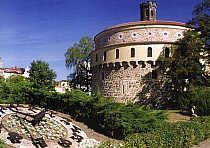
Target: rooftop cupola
{"x":148,"y":11}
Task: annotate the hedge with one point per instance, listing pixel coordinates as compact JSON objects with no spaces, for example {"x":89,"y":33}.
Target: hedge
{"x":179,"y":135}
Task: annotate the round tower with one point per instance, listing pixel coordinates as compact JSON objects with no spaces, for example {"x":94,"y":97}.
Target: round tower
{"x":126,"y":62}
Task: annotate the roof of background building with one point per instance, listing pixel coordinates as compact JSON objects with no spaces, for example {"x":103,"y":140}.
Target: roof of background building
{"x":13,"y":70}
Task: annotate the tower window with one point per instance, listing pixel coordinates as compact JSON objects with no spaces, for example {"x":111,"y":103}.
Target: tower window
{"x":117,"y":53}
{"x":120,"y":36}
{"x":96,"y":58}
{"x":102,"y":76}
{"x":167,"y":52}
{"x":104,"y":55}
{"x":149,"y":52}
{"x":154,"y":74}
{"x":152,"y":13}
{"x":132,"y":52}
{"x":147,"y":12}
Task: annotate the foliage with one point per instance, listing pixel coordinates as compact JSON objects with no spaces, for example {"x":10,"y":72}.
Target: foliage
{"x":201,"y":21}
{"x":180,"y":135}
{"x":200,"y":97}
{"x":196,"y":96}
{"x":186,"y":68}
{"x":41,"y":76}
{"x":190,"y":58}
{"x":78,"y":60}
{"x":18,"y":87}
{"x":2,"y":145}
{"x":111,"y":118}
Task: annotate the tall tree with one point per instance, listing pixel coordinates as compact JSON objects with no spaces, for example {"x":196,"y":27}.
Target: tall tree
{"x":191,"y":55}
{"x":78,"y":61}
{"x":41,"y":76}
{"x":201,"y":20}
{"x":187,"y":67}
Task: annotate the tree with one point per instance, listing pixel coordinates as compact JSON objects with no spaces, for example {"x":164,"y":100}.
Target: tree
{"x":41,"y":76}
{"x":201,"y":21}
{"x":18,"y":89}
{"x":187,"y":67}
{"x":78,"y":60}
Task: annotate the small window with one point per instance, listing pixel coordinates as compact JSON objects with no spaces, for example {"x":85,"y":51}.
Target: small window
{"x":96,"y":58}
{"x":149,"y":52}
{"x":167,"y":52}
{"x":117,"y":53}
{"x":165,"y":33}
{"x":150,"y":33}
{"x":132,"y":52}
{"x":179,"y":35}
{"x":134,"y":35}
{"x":154,"y":74}
{"x":123,"y":89}
{"x":147,"y":12}
{"x":102,"y":76}
{"x":152,"y":13}
{"x":120,"y":36}
{"x":104,"y":55}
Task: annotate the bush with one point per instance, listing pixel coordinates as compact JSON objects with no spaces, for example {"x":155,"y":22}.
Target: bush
{"x":113,"y":119}
{"x":2,"y":145}
{"x":179,"y":135}
{"x":197,"y":96}
{"x":201,"y":99}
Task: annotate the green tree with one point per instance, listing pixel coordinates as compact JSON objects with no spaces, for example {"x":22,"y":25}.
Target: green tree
{"x":41,"y":76}
{"x":18,"y":89}
{"x":187,"y":67}
{"x":201,"y":21}
{"x":78,"y":61}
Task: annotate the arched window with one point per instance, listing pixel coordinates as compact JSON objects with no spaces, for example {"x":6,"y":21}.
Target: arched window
{"x":96,"y":58}
{"x":167,"y":52}
{"x":132,"y":52}
{"x":149,"y":52}
{"x":117,"y":53}
{"x":104,"y":55}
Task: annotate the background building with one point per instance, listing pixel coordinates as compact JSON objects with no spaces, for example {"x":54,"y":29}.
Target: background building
{"x":7,"y":72}
{"x":126,"y":64}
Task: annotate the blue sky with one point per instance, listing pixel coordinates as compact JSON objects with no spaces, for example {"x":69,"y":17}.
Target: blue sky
{"x":45,"y":29}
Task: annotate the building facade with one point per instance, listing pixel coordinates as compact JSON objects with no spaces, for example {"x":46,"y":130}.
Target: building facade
{"x":126,"y":63}
{"x":8,"y":72}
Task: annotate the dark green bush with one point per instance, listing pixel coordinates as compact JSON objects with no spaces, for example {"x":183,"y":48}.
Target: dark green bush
{"x":197,"y":96}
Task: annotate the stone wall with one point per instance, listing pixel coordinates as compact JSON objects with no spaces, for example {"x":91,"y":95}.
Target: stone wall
{"x":128,"y":83}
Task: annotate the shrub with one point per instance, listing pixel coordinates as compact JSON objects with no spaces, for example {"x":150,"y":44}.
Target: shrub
{"x":2,"y":145}
{"x":179,"y":135}
{"x":197,"y":96}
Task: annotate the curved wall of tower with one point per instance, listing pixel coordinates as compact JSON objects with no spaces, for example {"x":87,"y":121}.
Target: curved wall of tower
{"x":126,"y":65}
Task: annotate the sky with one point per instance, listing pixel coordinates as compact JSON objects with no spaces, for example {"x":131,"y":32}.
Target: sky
{"x":45,"y":29}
